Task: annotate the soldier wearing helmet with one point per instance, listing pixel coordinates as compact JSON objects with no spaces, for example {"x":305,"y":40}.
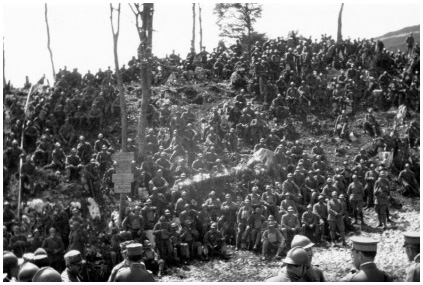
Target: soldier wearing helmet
{"x":100,"y":142}
{"x":10,"y":266}
{"x":336,"y":212}
{"x":135,"y":271}
{"x":47,"y":274}
{"x":313,"y":273}
{"x":214,"y":243}
{"x":27,"y":272}
{"x":272,"y":239}
{"x":296,"y":262}
{"x":73,"y":165}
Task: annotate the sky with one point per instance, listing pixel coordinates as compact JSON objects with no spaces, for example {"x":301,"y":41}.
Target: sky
{"x":81,"y":34}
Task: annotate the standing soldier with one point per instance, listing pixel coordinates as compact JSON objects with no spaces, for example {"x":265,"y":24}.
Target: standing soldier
{"x":381,"y":194}
{"x":335,"y":218}
{"x":162,"y":231}
{"x":363,"y":255}
{"x":356,"y":193}
{"x":370,"y":177}
{"x":412,"y":249}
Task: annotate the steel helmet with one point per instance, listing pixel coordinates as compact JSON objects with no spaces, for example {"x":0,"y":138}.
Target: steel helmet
{"x":47,"y":274}
{"x":301,"y":241}
{"x":9,"y":261}
{"x":27,"y":271}
{"x":297,"y":256}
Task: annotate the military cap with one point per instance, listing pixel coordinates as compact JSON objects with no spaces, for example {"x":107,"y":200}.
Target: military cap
{"x":342,"y":196}
{"x":73,"y":257}
{"x":291,"y":209}
{"x":134,"y":249}
{"x":290,"y":175}
{"x":213,"y":226}
{"x":335,"y":193}
{"x":364,"y":243}
{"x":321,"y":197}
{"x":297,"y":256}
{"x":412,"y":238}
{"x":149,"y":201}
{"x":329,"y":179}
{"x":271,"y":218}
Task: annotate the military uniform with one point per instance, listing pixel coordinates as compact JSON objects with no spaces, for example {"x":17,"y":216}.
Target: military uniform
{"x":412,"y":239}
{"x":368,"y":271}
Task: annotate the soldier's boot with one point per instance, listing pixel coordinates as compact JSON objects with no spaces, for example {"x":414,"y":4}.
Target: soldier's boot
{"x":161,"y":266}
{"x":387,"y":215}
{"x":380,"y":221}
{"x":280,"y":253}
{"x":343,"y":239}
{"x":332,"y":237}
{"x":362,"y":219}
{"x":355,"y":217}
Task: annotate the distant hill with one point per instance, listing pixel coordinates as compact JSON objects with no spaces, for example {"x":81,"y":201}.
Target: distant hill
{"x":396,"y":40}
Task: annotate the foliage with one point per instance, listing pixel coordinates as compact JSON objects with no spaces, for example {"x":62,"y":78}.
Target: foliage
{"x":236,"y":20}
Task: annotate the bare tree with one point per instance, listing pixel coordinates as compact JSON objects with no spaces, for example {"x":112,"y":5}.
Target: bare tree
{"x":201,"y":26}
{"x":48,"y":44}
{"x":339,"y":36}
{"x":193,"y":27}
{"x":145,"y":32}
{"x":4,"y":64}
{"x":123,"y":110}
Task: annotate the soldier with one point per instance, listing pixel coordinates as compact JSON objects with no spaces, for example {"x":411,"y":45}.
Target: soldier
{"x":253,"y":232}
{"x":408,"y":179}
{"x":310,"y":222}
{"x":190,"y":236}
{"x":313,"y":273}
{"x":213,"y":205}
{"x":370,"y":124}
{"x":162,"y":232}
{"x":47,"y":274}
{"x":381,"y":194}
{"x":84,"y":150}
{"x":27,"y":272}
{"x":296,"y":262}
{"x":335,"y":218}
{"x":58,"y":158}
{"x":136,"y":271}
{"x":272,"y":239}
{"x":214,"y":243}
{"x":74,"y":266}
{"x":363,"y":254}
{"x":54,"y":247}
{"x":135,"y":223}
{"x":341,"y":125}
{"x":67,"y":133}
{"x":371,"y":176}
{"x":10,"y":267}
{"x":321,"y":210}
{"x":412,"y":249}
{"x":290,"y":224}
{"x":356,"y":193}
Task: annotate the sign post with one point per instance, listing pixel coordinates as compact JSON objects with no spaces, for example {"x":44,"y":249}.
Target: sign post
{"x":123,"y":178}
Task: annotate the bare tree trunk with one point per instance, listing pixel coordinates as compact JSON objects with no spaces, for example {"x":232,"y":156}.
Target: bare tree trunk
{"x":339,"y":36}
{"x":193,"y":27}
{"x":48,"y":44}
{"x":145,"y":33}
{"x":123,"y":111}
{"x":201,"y":27}
{"x":4,"y":76}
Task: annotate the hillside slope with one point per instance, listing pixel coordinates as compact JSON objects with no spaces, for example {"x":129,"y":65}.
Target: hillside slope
{"x":396,"y":40}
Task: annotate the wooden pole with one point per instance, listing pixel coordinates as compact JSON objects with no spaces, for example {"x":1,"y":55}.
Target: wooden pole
{"x":48,"y":44}
{"x":193,"y":27}
{"x":201,"y":26}
{"x":339,"y":35}
{"x":20,"y":159}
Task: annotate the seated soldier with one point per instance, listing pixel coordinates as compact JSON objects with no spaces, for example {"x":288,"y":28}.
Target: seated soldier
{"x":254,"y":229}
{"x":341,"y":125}
{"x":151,"y":259}
{"x":95,"y":117}
{"x":290,"y":224}
{"x":67,"y":134}
{"x":310,"y":223}
{"x":409,"y":181}
{"x":43,"y":152}
{"x":58,"y":158}
{"x":73,"y":166}
{"x":370,"y":124}
{"x":272,"y":239}
{"x":190,"y":237}
{"x":214,"y":243}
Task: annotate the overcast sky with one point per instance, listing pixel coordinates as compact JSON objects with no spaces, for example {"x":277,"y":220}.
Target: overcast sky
{"x":81,"y":34}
